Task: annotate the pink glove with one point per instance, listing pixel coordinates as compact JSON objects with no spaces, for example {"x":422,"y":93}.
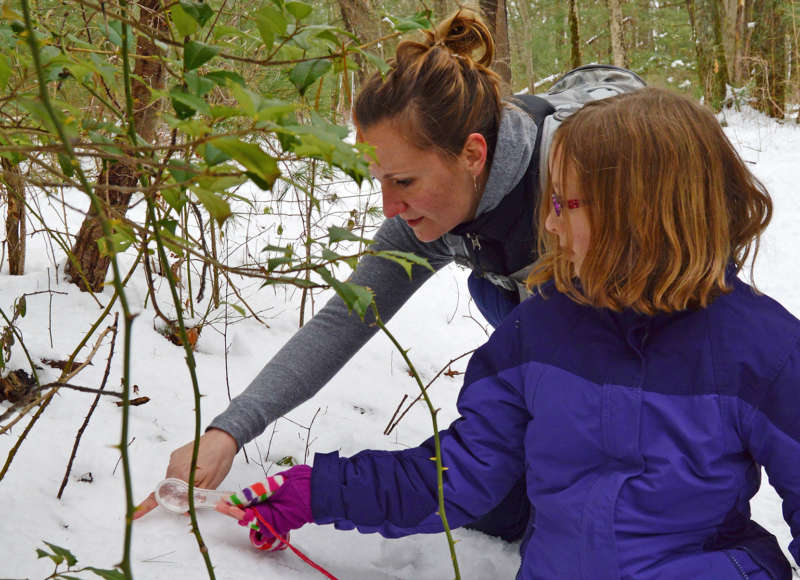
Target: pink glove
{"x":283,"y":502}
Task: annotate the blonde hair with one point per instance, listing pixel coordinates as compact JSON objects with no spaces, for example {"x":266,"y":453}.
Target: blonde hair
{"x":435,"y":90}
{"x":671,"y":205}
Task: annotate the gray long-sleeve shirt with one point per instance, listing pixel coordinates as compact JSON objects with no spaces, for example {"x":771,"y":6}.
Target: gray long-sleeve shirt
{"x":334,"y":335}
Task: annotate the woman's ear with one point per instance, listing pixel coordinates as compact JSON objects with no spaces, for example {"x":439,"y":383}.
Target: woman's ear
{"x":474,"y":153}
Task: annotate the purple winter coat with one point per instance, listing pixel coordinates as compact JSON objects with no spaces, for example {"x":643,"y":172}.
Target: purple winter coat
{"x":641,"y":440}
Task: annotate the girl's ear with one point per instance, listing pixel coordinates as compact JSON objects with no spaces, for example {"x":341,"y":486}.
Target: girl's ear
{"x":474,"y":153}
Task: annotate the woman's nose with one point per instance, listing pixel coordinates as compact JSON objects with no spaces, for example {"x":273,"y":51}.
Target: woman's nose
{"x":392,"y":204}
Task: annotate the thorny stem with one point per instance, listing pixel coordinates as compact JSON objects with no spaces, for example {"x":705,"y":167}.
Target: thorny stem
{"x":190,"y":363}
{"x":33,"y":43}
{"x":437,"y":442}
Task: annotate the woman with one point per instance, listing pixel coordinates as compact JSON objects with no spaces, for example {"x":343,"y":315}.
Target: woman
{"x":638,"y":391}
{"x":459,"y":173}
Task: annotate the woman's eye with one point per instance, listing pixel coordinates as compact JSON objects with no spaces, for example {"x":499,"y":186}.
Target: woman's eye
{"x":404,"y":182}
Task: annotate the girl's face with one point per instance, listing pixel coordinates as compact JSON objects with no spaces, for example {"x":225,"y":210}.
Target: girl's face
{"x":431,"y":192}
{"x":573,"y":231}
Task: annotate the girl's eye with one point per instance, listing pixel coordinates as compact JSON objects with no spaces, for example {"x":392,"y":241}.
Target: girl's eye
{"x":404,"y":182}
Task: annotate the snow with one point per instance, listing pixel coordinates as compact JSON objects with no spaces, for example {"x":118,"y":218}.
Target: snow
{"x":350,"y":414}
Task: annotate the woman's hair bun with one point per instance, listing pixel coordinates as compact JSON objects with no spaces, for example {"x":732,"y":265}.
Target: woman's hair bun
{"x":464,"y":33}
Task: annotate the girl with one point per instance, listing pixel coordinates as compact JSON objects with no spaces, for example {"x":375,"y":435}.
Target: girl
{"x":638,"y":392}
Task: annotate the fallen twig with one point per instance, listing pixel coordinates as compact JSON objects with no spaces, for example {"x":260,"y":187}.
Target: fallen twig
{"x":86,"y":419}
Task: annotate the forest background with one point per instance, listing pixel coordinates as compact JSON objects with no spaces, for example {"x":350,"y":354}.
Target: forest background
{"x":183,"y":126}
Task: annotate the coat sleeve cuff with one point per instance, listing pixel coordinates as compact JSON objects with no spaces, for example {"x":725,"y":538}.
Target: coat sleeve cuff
{"x":327,"y":504}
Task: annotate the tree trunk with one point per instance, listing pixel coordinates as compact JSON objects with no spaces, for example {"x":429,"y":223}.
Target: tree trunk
{"x":359,"y":19}
{"x":768,"y":57}
{"x":574,"y":36}
{"x":88,"y":268}
{"x":15,"y":217}
{"x":524,"y":30}
{"x":497,"y":19}
{"x":705,"y":17}
{"x":617,"y":45}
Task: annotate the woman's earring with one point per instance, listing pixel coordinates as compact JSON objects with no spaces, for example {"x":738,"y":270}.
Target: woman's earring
{"x":475,"y":185}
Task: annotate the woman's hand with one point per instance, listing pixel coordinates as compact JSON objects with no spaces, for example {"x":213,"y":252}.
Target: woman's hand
{"x":280,"y":504}
{"x":214,"y":459}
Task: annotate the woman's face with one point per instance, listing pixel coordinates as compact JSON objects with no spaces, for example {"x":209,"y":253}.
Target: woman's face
{"x":431,"y":192}
{"x":573,"y":231}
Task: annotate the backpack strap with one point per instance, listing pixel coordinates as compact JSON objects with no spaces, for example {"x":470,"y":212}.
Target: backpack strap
{"x":536,"y":107}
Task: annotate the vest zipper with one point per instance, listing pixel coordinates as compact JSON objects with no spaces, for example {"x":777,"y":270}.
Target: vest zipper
{"x":476,"y":243}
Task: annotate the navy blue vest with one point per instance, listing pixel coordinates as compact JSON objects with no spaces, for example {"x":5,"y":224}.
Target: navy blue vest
{"x":503,"y":240}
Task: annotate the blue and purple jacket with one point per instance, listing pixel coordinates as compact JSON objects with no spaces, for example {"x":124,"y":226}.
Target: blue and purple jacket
{"x":641,"y":440}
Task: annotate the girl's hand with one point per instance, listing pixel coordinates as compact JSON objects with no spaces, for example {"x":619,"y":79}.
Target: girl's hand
{"x":282,"y":503}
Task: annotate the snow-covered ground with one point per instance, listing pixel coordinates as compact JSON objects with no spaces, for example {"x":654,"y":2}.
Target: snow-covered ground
{"x":350,"y":414}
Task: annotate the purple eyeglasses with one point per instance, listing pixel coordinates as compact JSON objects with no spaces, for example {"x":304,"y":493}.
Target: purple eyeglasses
{"x":558,"y":204}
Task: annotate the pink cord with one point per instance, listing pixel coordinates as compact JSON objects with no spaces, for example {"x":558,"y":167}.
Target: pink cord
{"x":300,"y":554}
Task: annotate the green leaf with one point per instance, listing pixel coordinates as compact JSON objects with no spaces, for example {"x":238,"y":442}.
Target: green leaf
{"x":328,"y":33}
{"x":5,"y":72}
{"x":220,"y":183}
{"x":419,"y":21}
{"x":221,"y":31}
{"x":236,"y":307}
{"x":199,"y":11}
{"x":63,"y":553}
{"x":119,"y":241}
{"x":376,"y":61}
{"x":35,"y":107}
{"x":285,"y":280}
{"x":174,"y":197}
{"x":221,"y":77}
{"x":212,"y":155}
{"x":181,"y":171}
{"x":66,"y":165}
{"x":273,"y":263}
{"x":271,"y":24}
{"x":287,"y":250}
{"x":186,"y":104}
{"x":107,"y":574}
{"x":287,"y":461}
{"x":406,"y":259}
{"x":298,"y":9}
{"x":262,"y":168}
{"x":113,"y":33}
{"x":246,"y":98}
{"x":39,"y":552}
{"x":357,"y":298}
{"x":197,"y":85}
{"x":183,"y":21}
{"x":337,"y":234}
{"x":324,"y":140}
{"x":196,"y":54}
{"x":274,"y":110}
{"x":214,"y":203}
{"x":306,"y":73}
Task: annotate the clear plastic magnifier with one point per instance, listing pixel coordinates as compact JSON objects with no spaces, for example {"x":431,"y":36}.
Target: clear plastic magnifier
{"x":173,"y":494}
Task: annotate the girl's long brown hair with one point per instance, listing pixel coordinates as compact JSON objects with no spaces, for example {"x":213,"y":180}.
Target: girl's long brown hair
{"x":671,"y":205}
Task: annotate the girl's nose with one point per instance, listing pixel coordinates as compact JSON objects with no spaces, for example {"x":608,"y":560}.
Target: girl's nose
{"x":552,"y":223}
